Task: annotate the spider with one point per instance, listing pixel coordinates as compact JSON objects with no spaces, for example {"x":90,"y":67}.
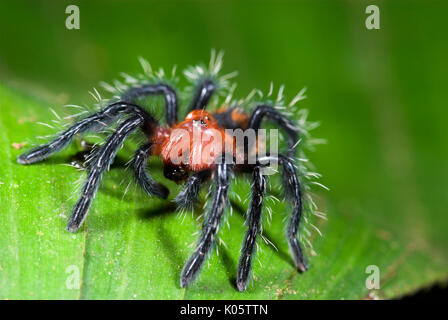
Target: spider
{"x":162,"y":141}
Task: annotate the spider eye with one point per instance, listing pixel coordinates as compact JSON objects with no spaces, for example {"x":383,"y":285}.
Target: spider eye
{"x":202,"y":122}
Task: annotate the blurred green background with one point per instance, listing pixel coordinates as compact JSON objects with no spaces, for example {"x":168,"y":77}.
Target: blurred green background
{"x":381,"y":96}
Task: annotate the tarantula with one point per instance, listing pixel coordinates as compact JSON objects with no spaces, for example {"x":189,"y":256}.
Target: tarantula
{"x":166,"y":141}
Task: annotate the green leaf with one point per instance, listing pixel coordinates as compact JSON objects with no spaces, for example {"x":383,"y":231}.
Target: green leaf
{"x":134,"y":247}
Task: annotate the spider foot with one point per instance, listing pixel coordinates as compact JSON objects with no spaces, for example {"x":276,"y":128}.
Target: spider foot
{"x":302,"y":266}
{"x":241,"y":285}
{"x":192,"y":268}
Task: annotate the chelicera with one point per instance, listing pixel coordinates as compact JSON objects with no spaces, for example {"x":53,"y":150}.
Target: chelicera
{"x":162,"y":139}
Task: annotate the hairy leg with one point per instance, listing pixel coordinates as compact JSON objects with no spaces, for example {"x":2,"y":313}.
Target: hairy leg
{"x":142,"y":176}
{"x":265,"y":111}
{"x":203,"y":92}
{"x":93,"y":122}
{"x":253,"y":222}
{"x":99,"y":164}
{"x":186,"y":198}
{"x":167,"y":91}
{"x":211,"y":224}
{"x":292,"y":186}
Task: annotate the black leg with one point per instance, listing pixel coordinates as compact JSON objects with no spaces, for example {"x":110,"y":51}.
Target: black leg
{"x":91,"y":123}
{"x":203,"y":93}
{"x":211,"y":224}
{"x":99,"y":164}
{"x":284,"y":123}
{"x":154,"y":89}
{"x":292,"y":186}
{"x":253,"y":224}
{"x":150,"y":186}
{"x":186,"y":198}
